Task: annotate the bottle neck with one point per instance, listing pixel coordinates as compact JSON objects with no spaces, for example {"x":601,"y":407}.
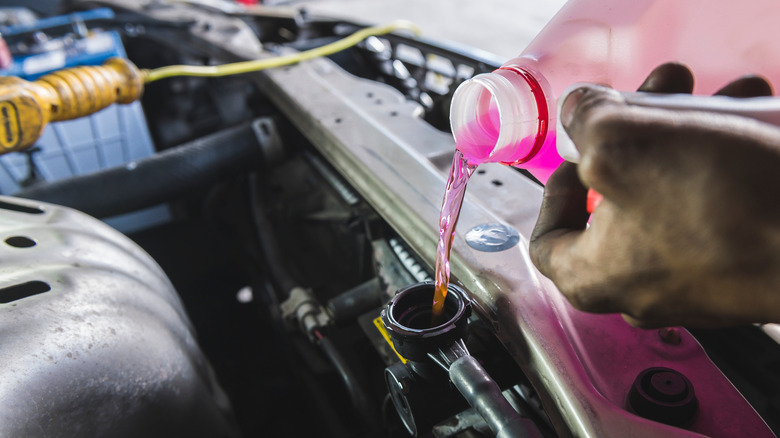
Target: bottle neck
{"x":503,"y":116}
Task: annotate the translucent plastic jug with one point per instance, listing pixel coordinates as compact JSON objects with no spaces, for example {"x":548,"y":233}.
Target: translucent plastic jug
{"x":509,"y":115}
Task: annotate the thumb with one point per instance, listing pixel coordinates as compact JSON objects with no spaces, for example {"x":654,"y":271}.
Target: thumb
{"x":561,"y":218}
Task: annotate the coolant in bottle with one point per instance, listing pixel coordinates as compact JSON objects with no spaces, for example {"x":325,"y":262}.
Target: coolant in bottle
{"x":508,"y":116}
{"x":496,"y":116}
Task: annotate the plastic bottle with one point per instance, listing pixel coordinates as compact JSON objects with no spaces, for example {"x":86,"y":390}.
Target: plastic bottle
{"x":509,"y":115}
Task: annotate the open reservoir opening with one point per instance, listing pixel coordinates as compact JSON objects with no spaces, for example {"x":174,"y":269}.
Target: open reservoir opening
{"x":413,"y":311}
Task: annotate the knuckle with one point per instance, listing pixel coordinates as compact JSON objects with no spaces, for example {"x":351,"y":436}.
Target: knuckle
{"x":536,"y":250}
{"x":613,"y":139}
{"x":540,"y":249}
{"x":645,"y":307}
{"x":584,"y":299}
{"x":639,"y":312}
{"x":595,"y":169}
{"x":638,"y":323}
{"x":593,"y":103}
{"x":595,"y":108}
{"x":606,"y":126}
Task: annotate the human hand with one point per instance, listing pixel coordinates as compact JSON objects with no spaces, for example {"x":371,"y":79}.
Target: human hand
{"x":688,"y":232}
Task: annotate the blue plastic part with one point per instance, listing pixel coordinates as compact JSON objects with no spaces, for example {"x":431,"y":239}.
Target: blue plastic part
{"x":112,"y":137}
{"x":92,"y":50}
{"x":61,"y":20}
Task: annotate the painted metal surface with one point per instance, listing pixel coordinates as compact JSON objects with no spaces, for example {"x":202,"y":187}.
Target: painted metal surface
{"x":95,"y":341}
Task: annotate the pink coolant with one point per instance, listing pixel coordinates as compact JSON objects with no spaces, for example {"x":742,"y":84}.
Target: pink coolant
{"x":508,"y":116}
{"x":540,"y":165}
{"x":612,"y":42}
{"x":535,"y":153}
{"x":476,"y":143}
{"x":458,"y":178}
{"x":619,"y":42}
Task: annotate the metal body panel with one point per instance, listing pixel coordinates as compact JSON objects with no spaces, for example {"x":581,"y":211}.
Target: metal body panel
{"x":108,"y":350}
{"x":583,"y":365}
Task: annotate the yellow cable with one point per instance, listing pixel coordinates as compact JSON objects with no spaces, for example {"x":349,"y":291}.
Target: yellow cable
{"x":279,"y":61}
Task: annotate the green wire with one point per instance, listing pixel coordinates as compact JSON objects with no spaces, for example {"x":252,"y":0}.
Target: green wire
{"x":279,"y":61}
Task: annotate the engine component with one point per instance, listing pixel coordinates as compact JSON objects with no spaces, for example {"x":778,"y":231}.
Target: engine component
{"x":484,"y":395}
{"x":27,"y":107}
{"x":96,"y":341}
{"x":356,"y":301}
{"x":373,"y":138}
{"x":420,"y":401}
{"x":419,"y":389}
{"x":665,"y":395}
{"x":158,"y":178}
{"x":301,"y":306}
{"x":576,"y":361}
{"x":408,"y":318}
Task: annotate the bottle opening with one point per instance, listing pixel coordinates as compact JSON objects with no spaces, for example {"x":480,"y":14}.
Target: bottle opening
{"x":500,"y":117}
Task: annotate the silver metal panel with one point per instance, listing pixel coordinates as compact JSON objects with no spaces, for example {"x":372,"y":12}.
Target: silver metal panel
{"x":108,"y":349}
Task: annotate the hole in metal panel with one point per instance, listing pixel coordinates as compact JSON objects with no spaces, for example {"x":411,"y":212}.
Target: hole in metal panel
{"x":266,"y":130}
{"x":24,"y":290}
{"x":20,"y":242}
{"x":20,"y":208}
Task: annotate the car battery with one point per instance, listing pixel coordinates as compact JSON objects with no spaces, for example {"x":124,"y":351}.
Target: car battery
{"x":115,"y":136}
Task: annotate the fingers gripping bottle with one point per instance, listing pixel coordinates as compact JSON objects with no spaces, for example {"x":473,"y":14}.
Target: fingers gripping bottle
{"x":509,"y":116}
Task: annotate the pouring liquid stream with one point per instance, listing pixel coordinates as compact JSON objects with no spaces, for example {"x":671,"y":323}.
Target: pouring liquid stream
{"x":473,"y":146}
{"x":461,"y":171}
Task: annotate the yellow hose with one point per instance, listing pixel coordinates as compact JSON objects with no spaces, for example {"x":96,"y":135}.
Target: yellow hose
{"x":279,"y":61}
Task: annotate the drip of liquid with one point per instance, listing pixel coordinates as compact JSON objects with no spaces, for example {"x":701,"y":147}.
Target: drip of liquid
{"x":461,"y":171}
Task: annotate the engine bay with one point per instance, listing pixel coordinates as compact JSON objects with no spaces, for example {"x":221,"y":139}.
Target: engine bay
{"x":288,"y":206}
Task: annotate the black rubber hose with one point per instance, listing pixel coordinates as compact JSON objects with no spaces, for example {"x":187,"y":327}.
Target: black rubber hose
{"x":268,"y":242}
{"x":484,"y":395}
{"x":347,"y":307}
{"x":156,"y":179}
{"x":360,"y":400}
